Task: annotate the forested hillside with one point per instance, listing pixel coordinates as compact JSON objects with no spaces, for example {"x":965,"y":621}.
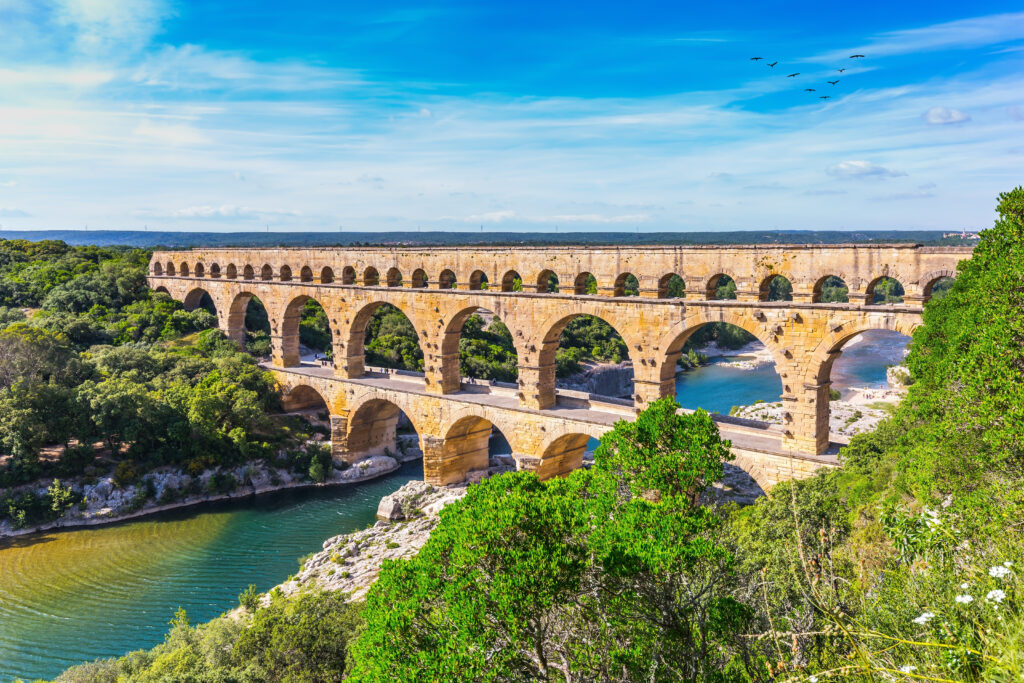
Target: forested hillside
{"x":903,"y":565}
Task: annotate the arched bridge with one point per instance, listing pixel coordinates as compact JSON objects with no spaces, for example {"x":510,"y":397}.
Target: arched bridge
{"x":439,"y":288}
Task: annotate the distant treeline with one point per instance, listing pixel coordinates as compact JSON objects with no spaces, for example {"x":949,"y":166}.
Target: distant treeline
{"x":156,"y":239}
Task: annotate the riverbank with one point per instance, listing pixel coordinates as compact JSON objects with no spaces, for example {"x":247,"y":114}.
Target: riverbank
{"x":104,"y":502}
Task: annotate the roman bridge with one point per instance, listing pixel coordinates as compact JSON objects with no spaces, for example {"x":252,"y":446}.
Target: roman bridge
{"x":439,"y":288}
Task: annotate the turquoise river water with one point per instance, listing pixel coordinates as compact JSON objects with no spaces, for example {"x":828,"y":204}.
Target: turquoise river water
{"x":73,"y":596}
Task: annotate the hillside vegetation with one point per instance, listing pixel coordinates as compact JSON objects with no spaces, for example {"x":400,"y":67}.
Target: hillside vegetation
{"x":904,"y":565}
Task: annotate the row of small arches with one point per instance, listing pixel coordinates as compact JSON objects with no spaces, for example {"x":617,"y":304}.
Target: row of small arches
{"x":829,"y":288}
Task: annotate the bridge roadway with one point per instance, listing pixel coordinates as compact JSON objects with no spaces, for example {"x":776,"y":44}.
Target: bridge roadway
{"x":550,"y":441}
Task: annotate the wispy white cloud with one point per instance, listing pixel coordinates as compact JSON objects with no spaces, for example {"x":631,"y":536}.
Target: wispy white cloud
{"x":960,"y":34}
{"x":12,"y":213}
{"x":224,"y":211}
{"x":103,"y":26}
{"x":170,"y":133}
{"x":942,"y":115}
{"x":862,"y":169}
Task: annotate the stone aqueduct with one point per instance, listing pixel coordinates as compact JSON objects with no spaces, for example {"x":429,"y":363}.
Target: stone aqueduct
{"x":439,"y":288}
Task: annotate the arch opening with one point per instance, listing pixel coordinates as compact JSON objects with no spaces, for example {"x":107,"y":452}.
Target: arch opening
{"x":170,"y":268}
{"x":446,"y":280}
{"x":512,"y":282}
{"x":285,"y":274}
{"x":326,"y":275}
{"x":348,"y":275}
{"x":563,"y":455}
{"x":484,"y":346}
{"x":305,"y":332}
{"x":547,"y":282}
{"x":885,"y":290}
{"x":394,"y":277}
{"x":304,"y":399}
{"x":626,"y":284}
{"x":473,"y":444}
{"x":776,"y":288}
{"x":306,"y":274}
{"x":248,"y":273}
{"x":419,"y":278}
{"x":379,"y":427}
{"x":249,"y":324}
{"x":478,"y":280}
{"x":671,"y":286}
{"x":231,"y":272}
{"x":200,"y":270}
{"x":158,"y":269}
{"x":722,"y":368}
{"x":371,"y":278}
{"x":939,"y":287}
{"x":383,"y":336}
{"x":831,"y":289}
{"x":183,"y":270}
{"x":266,"y":272}
{"x":721,"y":286}
{"x":585,"y":283}
{"x":587,"y":354}
{"x":199,"y":298}
{"x":214,"y":270}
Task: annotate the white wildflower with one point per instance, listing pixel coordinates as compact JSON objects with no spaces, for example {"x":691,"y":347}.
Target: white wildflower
{"x":996,"y":595}
{"x":924,"y":618}
{"x":907,"y":668}
{"x":813,"y":679}
{"x":964,"y":585}
{"x":999,"y":571}
{"x":964,"y":599}
{"x":1007,"y":564}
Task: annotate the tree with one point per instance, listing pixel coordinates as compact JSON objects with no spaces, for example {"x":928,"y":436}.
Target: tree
{"x":609,"y":574}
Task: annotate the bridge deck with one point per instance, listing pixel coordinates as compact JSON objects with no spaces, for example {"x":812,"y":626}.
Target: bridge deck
{"x":749,"y":435}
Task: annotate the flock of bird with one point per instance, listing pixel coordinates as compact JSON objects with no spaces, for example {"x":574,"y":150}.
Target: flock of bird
{"x":794,"y":75}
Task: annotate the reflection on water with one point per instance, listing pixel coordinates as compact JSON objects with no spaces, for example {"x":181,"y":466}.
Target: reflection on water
{"x":77,"y":595}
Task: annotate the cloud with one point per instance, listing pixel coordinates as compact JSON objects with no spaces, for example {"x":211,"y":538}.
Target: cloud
{"x":959,"y":34}
{"x":491,"y":217}
{"x":942,"y":115}
{"x":902,"y":196}
{"x":229,"y":212}
{"x":104,"y":26}
{"x":13,"y":213}
{"x":862,"y":169}
{"x":40,"y":76}
{"x":170,"y":133}
{"x":8,"y":183}
{"x":823,"y":193}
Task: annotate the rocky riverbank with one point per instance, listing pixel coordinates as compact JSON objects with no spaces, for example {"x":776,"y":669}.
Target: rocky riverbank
{"x":104,"y":502}
{"x":847,"y":418}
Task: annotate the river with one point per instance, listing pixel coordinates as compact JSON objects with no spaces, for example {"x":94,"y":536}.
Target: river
{"x":73,"y":596}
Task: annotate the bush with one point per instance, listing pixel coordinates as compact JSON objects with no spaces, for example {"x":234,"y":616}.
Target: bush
{"x":250,"y":598}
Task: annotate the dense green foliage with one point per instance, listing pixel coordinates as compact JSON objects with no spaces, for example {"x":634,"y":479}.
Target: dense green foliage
{"x":108,"y":376}
{"x":611,"y":573}
{"x":294,"y":640}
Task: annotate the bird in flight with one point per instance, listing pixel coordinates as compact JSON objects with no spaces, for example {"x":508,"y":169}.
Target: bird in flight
{"x":840,"y":70}
{"x":856,"y":56}
{"x":754,"y":59}
{"x":824,"y":97}
{"x":808,"y":89}
{"x":791,"y":75}
{"x":834,"y":82}
{"x":773,"y":64}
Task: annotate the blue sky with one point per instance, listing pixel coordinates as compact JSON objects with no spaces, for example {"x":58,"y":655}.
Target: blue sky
{"x":225,"y":115}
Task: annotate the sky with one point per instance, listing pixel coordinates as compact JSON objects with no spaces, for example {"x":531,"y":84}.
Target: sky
{"x":228,"y":115}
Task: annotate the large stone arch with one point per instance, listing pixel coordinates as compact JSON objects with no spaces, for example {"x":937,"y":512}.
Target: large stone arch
{"x":560,"y":455}
{"x":236,"y":316}
{"x":930,"y":279}
{"x":369,"y":427}
{"x":819,"y":362}
{"x":819,"y":285}
{"x":451,"y":375}
{"x":302,"y":396}
{"x":287,"y":324}
{"x":349,"y":346}
{"x":765,"y":284}
{"x":194,"y":298}
{"x":537,"y":365}
{"x":671,"y":344}
{"x":465,"y":444}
